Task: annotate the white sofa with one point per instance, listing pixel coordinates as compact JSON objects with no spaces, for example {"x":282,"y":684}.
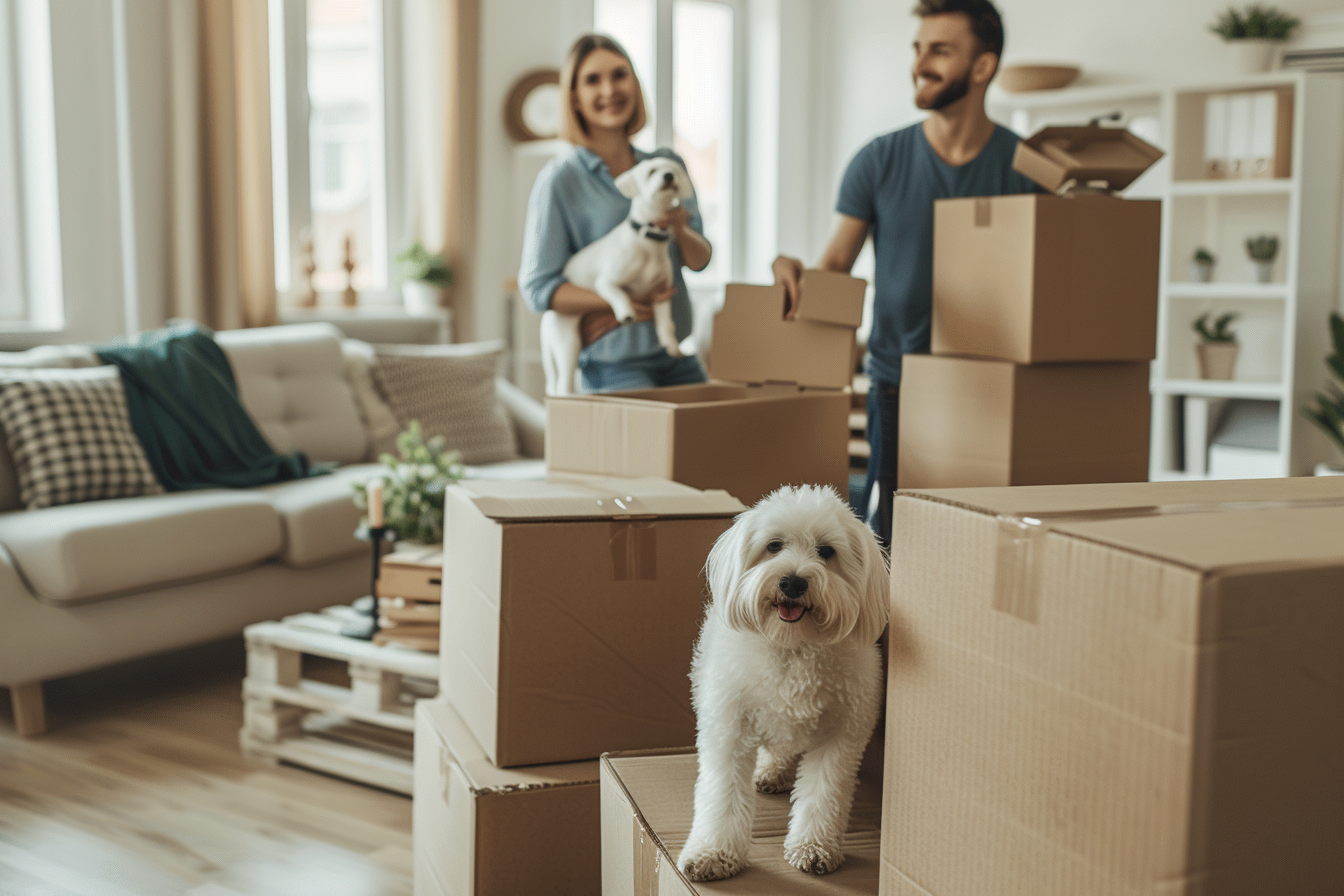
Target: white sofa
{"x":86,"y":585}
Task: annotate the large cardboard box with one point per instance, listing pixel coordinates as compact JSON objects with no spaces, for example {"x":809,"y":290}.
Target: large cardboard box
{"x":1039,"y":278}
{"x":1117,"y":689}
{"x":571,"y":611}
{"x":973,"y":422}
{"x":478,"y":830}
{"x":647,"y":807}
{"x":775,"y":412}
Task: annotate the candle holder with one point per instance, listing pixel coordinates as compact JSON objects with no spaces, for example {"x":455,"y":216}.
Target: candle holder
{"x":365,"y":630}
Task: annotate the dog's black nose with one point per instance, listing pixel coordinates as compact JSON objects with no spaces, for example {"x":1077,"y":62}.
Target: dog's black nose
{"x":793,"y":587}
{"x":667,"y":177}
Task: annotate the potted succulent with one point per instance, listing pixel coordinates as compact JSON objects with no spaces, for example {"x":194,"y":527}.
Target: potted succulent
{"x":413,"y":486}
{"x":1328,"y":411}
{"x":425,"y":276}
{"x":1254,"y":34}
{"x":1262,"y":249}
{"x":1201,"y":265}
{"x":1218,"y":348}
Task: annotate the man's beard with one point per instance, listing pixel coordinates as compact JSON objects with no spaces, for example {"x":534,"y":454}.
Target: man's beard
{"x":951,"y":92}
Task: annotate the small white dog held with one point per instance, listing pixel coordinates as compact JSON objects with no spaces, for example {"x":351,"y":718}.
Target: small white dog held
{"x":786,"y":679}
{"x":632,"y":259}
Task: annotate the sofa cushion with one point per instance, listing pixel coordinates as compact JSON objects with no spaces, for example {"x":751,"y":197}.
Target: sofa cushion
{"x":70,"y":437}
{"x":81,"y":552}
{"x":291,"y":379}
{"x":450,"y":389}
{"x":319,"y":515}
{"x":379,"y":421}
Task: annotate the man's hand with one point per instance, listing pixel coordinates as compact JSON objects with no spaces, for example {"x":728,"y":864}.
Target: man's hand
{"x":789,"y":274}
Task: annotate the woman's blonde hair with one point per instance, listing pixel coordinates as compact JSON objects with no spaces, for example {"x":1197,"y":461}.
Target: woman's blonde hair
{"x":572,"y":126}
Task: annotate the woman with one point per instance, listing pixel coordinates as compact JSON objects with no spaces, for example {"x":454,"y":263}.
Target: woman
{"x":575,"y":201}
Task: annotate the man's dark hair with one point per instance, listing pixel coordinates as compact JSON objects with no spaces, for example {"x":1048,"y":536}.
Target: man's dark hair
{"x":985,"y":22}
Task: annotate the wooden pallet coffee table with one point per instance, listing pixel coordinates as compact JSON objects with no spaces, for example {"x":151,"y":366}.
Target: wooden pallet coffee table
{"x":363,"y":732}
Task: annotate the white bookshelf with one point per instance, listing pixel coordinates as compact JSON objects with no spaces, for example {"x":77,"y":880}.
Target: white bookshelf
{"x":1282,"y":326}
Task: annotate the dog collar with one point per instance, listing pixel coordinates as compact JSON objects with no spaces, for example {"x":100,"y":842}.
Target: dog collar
{"x":649,"y":232}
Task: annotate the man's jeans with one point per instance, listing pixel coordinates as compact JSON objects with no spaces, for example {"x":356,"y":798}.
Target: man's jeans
{"x":883,"y":419}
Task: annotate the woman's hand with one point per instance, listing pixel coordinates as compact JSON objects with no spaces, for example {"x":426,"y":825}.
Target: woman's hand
{"x":644,"y":304}
{"x":676,"y":220}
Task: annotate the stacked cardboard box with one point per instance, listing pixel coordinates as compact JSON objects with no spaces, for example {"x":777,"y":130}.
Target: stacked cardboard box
{"x":575,"y":606}
{"x":1044,"y":319}
{"x":774,"y":413}
{"x":409,"y":591}
{"x":1126,"y":688}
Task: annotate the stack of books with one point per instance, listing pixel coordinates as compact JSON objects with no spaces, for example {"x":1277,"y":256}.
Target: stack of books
{"x":409,"y":591}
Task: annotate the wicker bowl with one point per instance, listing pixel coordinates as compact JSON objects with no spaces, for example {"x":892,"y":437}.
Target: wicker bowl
{"x":1021,"y":78}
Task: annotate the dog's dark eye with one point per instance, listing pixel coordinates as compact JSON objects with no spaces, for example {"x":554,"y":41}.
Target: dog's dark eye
{"x":775,"y":547}
{"x":825,"y":551}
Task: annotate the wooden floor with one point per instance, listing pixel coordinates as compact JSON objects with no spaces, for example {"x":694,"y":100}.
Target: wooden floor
{"x":139,"y":789}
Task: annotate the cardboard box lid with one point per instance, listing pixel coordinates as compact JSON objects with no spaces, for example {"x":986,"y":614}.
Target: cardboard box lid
{"x":594,"y":498}
{"x":484,"y":777}
{"x":753,"y":343}
{"x":1054,"y":156}
{"x":1208,"y":526}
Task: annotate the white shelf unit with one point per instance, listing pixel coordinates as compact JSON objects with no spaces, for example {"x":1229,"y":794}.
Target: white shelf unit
{"x":1282,"y":325}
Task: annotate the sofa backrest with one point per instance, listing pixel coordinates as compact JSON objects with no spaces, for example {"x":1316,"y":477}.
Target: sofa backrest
{"x":292,"y":380}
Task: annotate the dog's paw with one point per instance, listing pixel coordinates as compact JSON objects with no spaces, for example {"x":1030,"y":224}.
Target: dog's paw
{"x":815,"y":858}
{"x":674,"y":350}
{"x":710,"y":863}
{"x":776,"y":779}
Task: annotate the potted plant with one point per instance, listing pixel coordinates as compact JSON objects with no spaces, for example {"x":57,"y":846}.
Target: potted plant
{"x":1254,"y":34}
{"x":1262,"y":249}
{"x":1328,"y":411}
{"x":1201,"y":265}
{"x":1218,"y":348}
{"x":413,"y":487}
{"x":425,"y":276}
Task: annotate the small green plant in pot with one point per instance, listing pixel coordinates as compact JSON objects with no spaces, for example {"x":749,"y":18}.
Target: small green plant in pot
{"x":414,"y":485}
{"x":1328,"y":410}
{"x":425,"y":276}
{"x":1263,"y":249}
{"x":1254,"y":33}
{"x":1201,"y":265}
{"x":1218,"y":348}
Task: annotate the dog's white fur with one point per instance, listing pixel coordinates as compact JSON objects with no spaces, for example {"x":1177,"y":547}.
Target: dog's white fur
{"x":774,"y":698}
{"x":622,"y":263}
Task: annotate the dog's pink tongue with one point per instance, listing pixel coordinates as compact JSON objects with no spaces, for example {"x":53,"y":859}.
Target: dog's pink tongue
{"x":791,"y":612}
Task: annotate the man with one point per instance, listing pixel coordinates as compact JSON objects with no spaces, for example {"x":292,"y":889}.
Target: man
{"x":890,"y":187}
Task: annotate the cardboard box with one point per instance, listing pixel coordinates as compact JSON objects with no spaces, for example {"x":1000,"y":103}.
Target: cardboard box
{"x":1127,"y":688}
{"x":575,"y":607}
{"x":482,"y":831}
{"x":970,"y":422}
{"x":412,"y":571}
{"x":1036,"y":278}
{"x":647,"y":807}
{"x":775,"y":412}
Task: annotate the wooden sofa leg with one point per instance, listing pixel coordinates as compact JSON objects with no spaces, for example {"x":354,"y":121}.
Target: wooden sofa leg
{"x":30,"y":715}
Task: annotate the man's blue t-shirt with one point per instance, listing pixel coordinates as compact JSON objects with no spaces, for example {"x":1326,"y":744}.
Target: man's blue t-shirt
{"x":892,"y":184}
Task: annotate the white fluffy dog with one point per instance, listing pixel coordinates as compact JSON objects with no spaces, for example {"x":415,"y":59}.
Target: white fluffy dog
{"x":786,"y":677}
{"x":632,"y":259}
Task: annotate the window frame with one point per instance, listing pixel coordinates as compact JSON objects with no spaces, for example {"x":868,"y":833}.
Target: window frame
{"x":291,"y":163}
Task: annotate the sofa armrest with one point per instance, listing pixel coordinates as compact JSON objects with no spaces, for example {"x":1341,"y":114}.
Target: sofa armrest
{"x":528,"y":415}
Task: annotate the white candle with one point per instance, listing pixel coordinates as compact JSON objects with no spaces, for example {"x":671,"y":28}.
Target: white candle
{"x":375,"y":493}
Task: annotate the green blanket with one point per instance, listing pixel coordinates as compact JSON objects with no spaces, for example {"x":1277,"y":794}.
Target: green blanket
{"x":184,"y":406}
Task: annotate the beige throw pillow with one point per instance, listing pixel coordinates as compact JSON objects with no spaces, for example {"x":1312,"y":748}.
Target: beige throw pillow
{"x":450,"y":389}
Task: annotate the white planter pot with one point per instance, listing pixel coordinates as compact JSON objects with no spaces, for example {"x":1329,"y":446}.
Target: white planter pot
{"x":1201,"y":273}
{"x":1252,"y":55}
{"x":420,"y":297}
{"x":1264,"y":271}
{"x":1329,"y":470}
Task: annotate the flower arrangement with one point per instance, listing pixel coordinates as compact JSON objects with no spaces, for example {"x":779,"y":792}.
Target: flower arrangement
{"x":414,"y":486}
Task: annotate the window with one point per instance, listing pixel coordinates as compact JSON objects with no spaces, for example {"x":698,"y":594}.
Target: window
{"x":687,"y":54}
{"x":330,"y":66}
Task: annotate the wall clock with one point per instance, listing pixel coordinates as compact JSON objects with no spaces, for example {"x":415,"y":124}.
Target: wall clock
{"x":532,"y":109}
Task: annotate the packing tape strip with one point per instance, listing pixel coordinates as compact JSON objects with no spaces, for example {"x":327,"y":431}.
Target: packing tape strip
{"x":1020,"y":551}
{"x":982,"y":212}
{"x":634,"y":550}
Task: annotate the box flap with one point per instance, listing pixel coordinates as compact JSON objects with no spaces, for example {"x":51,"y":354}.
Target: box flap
{"x":1086,"y":156}
{"x":594,"y":498}
{"x":753,"y":343}
{"x":1204,"y":525}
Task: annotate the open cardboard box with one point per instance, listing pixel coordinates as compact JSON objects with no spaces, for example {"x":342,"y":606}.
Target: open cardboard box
{"x":571,"y":610}
{"x":1036,"y":278}
{"x":775,"y":412}
{"x":1103,"y":689}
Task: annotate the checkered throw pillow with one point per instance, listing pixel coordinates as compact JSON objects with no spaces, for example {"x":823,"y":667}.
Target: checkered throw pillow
{"x":71,"y":437}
